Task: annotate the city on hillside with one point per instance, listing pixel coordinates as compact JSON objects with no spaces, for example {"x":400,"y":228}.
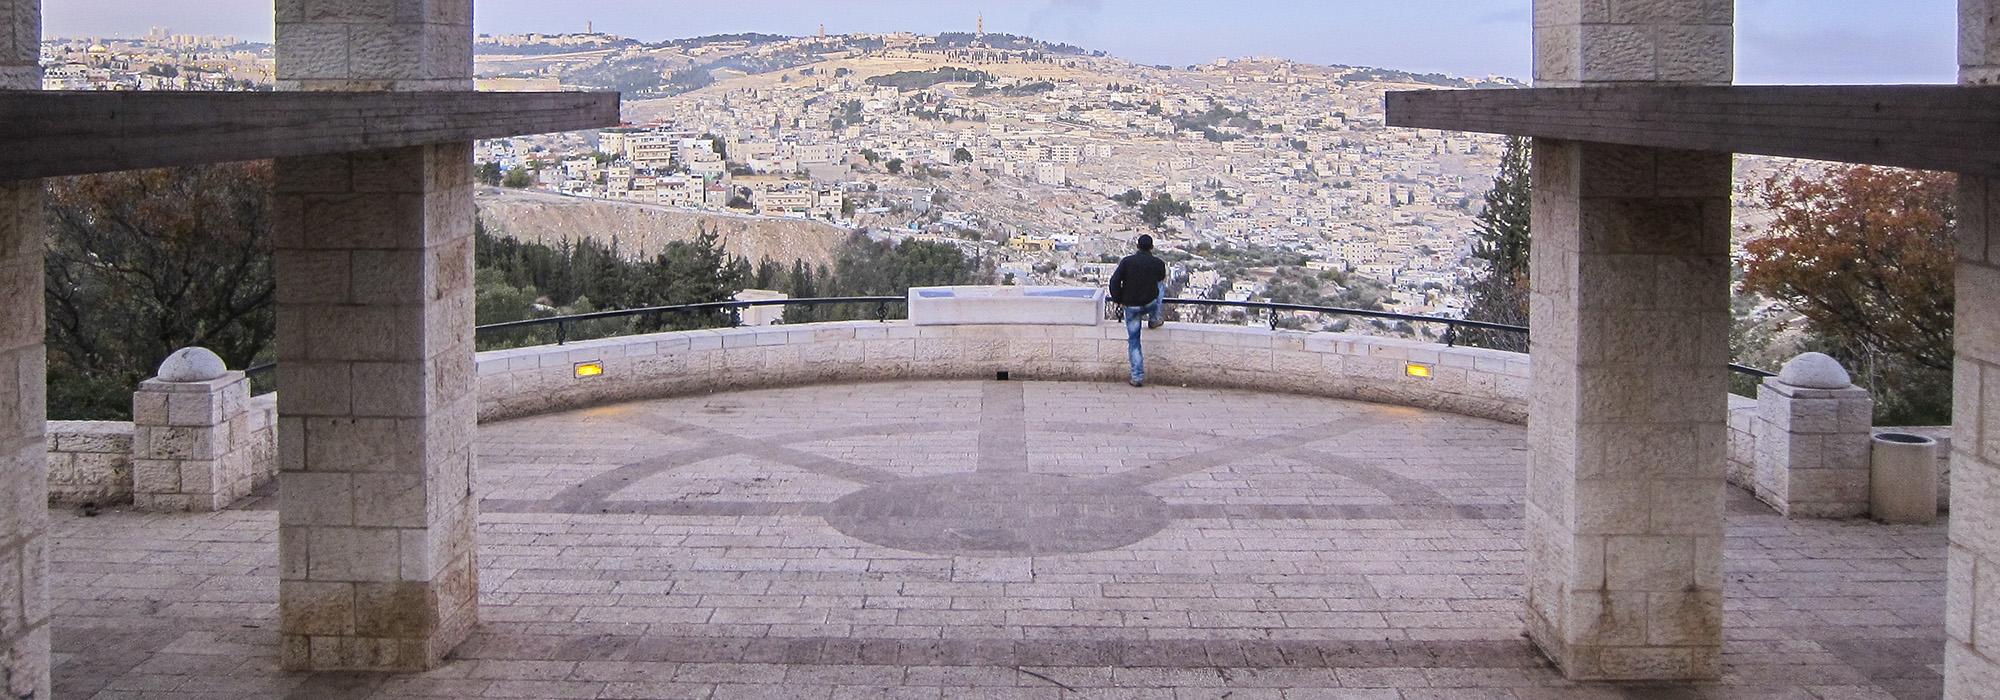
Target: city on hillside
{"x":1263,"y":179}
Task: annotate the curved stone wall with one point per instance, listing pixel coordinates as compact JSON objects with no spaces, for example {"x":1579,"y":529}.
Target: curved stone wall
{"x":528,"y":381}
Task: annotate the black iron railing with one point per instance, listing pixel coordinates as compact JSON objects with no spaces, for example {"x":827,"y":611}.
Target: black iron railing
{"x":734,"y":308}
{"x":1452,"y":326}
{"x":562,"y":324}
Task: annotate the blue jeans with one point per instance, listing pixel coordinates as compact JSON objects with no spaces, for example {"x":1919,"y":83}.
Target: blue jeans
{"x":1135,"y":319}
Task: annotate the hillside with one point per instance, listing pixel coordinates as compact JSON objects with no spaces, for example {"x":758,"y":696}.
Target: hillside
{"x":643,"y":230}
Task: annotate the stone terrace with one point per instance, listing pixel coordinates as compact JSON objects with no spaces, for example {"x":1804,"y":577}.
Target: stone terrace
{"x":954,"y":539}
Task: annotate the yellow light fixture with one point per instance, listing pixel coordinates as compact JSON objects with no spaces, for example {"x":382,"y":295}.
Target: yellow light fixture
{"x":1419,"y":371}
{"x":589,"y":369}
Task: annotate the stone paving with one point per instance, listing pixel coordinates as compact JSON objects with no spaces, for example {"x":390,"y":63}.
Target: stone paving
{"x":992,"y":540}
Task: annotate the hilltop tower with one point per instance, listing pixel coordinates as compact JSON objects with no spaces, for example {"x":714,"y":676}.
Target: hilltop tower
{"x":981,"y":33}
{"x":822,"y":30}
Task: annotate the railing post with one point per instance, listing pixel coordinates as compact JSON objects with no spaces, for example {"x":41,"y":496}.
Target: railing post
{"x":562,"y":331}
{"x":735,"y":317}
{"x":1451,"y":335}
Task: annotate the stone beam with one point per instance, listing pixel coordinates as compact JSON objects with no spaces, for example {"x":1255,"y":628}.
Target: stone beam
{"x":48,"y":134}
{"x":1972,"y":580}
{"x":24,"y":558}
{"x":1910,"y":126}
{"x":373,"y":255}
{"x":1627,"y":419}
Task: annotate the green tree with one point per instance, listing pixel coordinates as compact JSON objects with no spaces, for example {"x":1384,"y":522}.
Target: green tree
{"x":801,"y":285}
{"x":695,"y":271}
{"x":769,"y":274}
{"x":961,"y":155}
{"x":1162,"y":207}
{"x":519,"y":178}
{"x":490,"y":175}
{"x":139,"y":264}
{"x":1500,"y":292}
{"x":895,"y":166}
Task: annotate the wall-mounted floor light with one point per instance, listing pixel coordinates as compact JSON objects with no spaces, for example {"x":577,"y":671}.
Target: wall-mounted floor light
{"x":1420,"y":371}
{"x":589,"y":369}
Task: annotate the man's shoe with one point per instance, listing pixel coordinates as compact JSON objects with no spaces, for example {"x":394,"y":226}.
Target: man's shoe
{"x":1155,"y":324}
{"x":1137,"y":382}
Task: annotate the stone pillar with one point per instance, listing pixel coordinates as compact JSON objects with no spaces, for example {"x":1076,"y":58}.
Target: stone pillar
{"x":1972,"y":595}
{"x":375,"y":313}
{"x":1813,"y":440}
{"x":24,"y":563}
{"x":190,"y":437}
{"x":1630,"y":306}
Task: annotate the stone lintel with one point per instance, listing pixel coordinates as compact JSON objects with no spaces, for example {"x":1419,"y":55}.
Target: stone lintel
{"x":1911,"y":126}
{"x":48,"y":134}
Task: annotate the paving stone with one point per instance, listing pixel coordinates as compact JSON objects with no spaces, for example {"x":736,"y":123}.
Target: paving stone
{"x":1277,"y":587}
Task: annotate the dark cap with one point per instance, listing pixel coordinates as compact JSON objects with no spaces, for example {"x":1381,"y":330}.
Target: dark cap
{"x":1145,"y":241}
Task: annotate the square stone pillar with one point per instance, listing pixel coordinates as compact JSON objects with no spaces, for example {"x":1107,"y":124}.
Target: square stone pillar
{"x":24,"y":489}
{"x":375,"y":314}
{"x":191,"y":444}
{"x":1813,"y":449}
{"x":1972,"y":595}
{"x":1630,"y":306}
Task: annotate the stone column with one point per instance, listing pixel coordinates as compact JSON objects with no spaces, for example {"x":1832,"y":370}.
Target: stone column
{"x":1813,"y":430}
{"x":24,"y":563}
{"x":1972,"y":595}
{"x":190,"y":437}
{"x":1630,"y":306}
{"x":375,"y":315}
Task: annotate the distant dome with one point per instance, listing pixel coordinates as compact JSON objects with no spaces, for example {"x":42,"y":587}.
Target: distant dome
{"x":100,"y":48}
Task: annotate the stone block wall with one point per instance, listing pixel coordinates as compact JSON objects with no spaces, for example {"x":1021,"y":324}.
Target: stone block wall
{"x":1740,"y":465}
{"x":1813,"y":450}
{"x":1972,"y":579}
{"x":24,"y":560}
{"x":527,"y":381}
{"x":90,"y":462}
{"x":190,"y":444}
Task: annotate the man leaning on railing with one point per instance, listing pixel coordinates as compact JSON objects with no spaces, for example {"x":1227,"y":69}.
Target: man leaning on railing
{"x":1139,"y":284}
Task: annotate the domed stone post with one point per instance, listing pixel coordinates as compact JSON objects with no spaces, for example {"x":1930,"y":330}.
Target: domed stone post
{"x":1972,"y":654}
{"x":1812,"y":432}
{"x":190,"y":429}
{"x":1630,"y":306}
{"x":373,"y":254}
{"x":24,"y":487}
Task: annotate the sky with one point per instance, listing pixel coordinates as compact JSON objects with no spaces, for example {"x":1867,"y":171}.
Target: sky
{"x":1779,"y":41}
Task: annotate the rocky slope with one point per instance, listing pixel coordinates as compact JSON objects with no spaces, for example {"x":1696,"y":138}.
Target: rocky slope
{"x":643,"y":230}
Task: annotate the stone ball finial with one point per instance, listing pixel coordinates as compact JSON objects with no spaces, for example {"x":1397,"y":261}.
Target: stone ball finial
{"x":1815,"y":371}
{"x":192,"y":365}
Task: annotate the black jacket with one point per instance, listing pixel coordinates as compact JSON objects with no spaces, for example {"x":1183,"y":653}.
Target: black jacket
{"x":1137,"y":280}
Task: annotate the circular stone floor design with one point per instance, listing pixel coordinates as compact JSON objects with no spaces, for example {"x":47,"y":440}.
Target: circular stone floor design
{"x":999,"y":515}
{"x":1055,"y":468}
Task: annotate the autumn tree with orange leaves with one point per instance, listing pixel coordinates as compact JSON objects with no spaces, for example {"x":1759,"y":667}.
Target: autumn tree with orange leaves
{"x":1865,"y":254}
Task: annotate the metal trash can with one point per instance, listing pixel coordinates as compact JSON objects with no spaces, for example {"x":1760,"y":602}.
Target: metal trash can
{"x":1903,"y":479}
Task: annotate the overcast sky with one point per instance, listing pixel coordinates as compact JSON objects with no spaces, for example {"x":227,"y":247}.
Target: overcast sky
{"x":1780,"y":41}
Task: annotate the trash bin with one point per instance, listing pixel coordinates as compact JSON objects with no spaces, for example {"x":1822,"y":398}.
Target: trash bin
{"x":1903,"y":478}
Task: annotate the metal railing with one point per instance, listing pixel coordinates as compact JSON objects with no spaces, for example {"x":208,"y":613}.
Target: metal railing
{"x":1452,"y":325}
{"x":735,"y":308}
